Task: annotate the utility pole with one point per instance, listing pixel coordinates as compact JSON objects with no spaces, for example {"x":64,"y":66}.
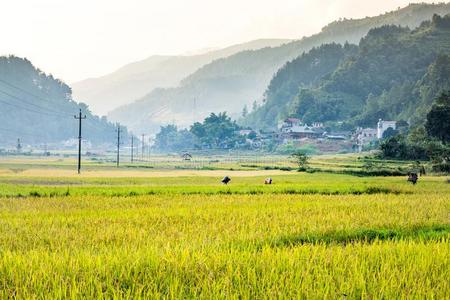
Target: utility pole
{"x":118,"y":144}
{"x":137,"y":150}
{"x":149,"y":147}
{"x":79,"y":117}
{"x":143,"y":146}
{"x":19,"y":146}
{"x":132,"y":147}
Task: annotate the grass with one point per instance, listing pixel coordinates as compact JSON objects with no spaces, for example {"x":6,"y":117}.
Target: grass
{"x":294,"y":183}
{"x":186,"y":236}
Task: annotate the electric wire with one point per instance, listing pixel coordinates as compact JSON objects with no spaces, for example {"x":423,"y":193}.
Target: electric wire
{"x":35,"y":105}
{"x":28,"y":92}
{"x":32,"y":110}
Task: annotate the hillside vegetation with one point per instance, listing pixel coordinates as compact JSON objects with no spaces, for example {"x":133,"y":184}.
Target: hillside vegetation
{"x":38,"y":109}
{"x":394,"y":73}
{"x":228,"y":84}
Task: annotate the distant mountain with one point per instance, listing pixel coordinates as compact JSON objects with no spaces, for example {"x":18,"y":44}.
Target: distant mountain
{"x":39,"y":109}
{"x":395,"y":73}
{"x":134,"y":80}
{"x":229,"y":83}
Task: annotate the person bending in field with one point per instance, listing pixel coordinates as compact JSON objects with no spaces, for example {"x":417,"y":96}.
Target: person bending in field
{"x":412,"y":177}
{"x":268,"y":181}
{"x":226,"y":180}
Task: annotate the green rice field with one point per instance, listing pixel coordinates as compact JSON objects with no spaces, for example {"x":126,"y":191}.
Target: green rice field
{"x":173,"y":233}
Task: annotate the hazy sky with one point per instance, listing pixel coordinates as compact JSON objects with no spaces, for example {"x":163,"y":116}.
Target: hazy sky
{"x":76,"y":39}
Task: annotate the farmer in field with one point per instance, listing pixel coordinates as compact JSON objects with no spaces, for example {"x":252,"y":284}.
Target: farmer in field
{"x":268,"y":181}
{"x":412,"y":177}
{"x":226,"y":180}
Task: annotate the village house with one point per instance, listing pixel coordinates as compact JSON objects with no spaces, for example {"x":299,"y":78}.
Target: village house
{"x":245,"y":132}
{"x":382,"y":126}
{"x":292,"y":129}
{"x":364,"y":136}
{"x":336,"y":137}
{"x":289,"y":124}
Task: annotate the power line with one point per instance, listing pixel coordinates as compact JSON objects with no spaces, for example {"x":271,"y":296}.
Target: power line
{"x":15,"y":132}
{"x":32,"y":110}
{"x":28,"y":92}
{"x":51,"y":113}
{"x":160,"y":110}
{"x":21,"y":89}
{"x":32,"y":104}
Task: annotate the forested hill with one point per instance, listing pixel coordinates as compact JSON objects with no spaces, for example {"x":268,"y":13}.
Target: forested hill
{"x":230,"y":83}
{"x":395,"y":73}
{"x":39,"y":109}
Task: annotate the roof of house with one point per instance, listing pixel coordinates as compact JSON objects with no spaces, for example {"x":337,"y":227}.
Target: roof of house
{"x":292,"y":120}
{"x":303,"y":129}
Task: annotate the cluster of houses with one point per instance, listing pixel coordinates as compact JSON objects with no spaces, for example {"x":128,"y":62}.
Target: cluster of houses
{"x":293,"y":130}
{"x":366,"y":136}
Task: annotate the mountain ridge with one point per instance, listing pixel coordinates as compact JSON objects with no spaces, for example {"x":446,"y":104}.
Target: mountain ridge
{"x":228,"y":84}
{"x":136,"y":79}
{"x":395,"y":74}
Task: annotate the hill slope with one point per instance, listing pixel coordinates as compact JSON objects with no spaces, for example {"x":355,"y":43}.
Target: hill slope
{"x":230,"y":83}
{"x":39,"y":109}
{"x":136,"y":79}
{"x":395,"y":74}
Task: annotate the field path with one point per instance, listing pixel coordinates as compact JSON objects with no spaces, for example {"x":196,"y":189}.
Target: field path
{"x":142,"y":173}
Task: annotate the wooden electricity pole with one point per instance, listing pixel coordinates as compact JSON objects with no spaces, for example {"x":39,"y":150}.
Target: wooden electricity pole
{"x":143,"y":146}
{"x":132,"y":147}
{"x":118,"y":144}
{"x":79,"y":118}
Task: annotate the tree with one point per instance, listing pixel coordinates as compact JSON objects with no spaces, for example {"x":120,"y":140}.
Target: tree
{"x":417,"y":135}
{"x":254,"y":106}
{"x":165,"y":137}
{"x":438,"y":119}
{"x":301,"y":159}
{"x":252,"y":135}
{"x":398,"y":147}
{"x":169,"y":138}
{"x":390,"y":132}
{"x":244,"y":111}
{"x":216,"y":131}
{"x":394,"y":147}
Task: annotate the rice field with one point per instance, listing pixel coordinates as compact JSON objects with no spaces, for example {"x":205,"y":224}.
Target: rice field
{"x":181,"y":234}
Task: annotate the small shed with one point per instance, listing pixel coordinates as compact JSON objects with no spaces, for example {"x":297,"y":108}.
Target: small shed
{"x":186,"y":156}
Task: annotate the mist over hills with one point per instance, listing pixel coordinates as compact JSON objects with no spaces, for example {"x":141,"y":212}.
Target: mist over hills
{"x":393,"y":73}
{"x":136,"y":79}
{"x":229,"y":83}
